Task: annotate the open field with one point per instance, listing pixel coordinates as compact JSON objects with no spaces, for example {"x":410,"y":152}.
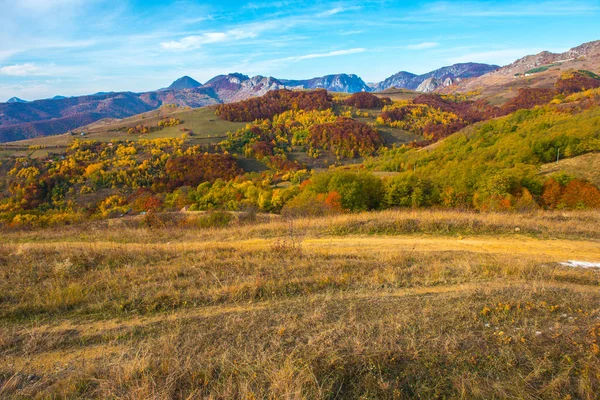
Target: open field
{"x":426,"y":304}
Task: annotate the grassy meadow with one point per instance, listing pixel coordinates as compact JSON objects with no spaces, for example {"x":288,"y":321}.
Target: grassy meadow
{"x":394,"y":304}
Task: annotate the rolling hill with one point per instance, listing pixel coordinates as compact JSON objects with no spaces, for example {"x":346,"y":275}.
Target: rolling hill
{"x":538,"y":71}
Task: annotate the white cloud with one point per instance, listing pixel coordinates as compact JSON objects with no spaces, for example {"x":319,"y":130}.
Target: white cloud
{"x":196,"y":41}
{"x":27,"y":69}
{"x":322,"y":55}
{"x":333,"y":11}
{"x":348,"y":33}
{"x":422,"y":46}
{"x":337,"y":10}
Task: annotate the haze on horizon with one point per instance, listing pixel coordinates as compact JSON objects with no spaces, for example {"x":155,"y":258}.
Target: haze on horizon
{"x":76,"y":47}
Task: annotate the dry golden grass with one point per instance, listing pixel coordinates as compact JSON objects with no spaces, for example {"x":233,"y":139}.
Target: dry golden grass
{"x":384,"y":305}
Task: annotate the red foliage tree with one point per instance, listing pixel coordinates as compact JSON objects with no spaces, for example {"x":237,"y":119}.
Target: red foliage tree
{"x":578,"y":81}
{"x":345,"y":138}
{"x":551,"y":193}
{"x":192,"y":170}
{"x":366,"y":100}
{"x":435,"y":132}
{"x":273,"y":103}
{"x":528,"y":98}
{"x":468,"y":111}
{"x":580,"y":194}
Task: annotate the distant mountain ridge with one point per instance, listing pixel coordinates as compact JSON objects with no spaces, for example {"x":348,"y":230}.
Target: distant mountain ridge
{"x":21,"y":120}
{"x":440,"y":77}
{"x":348,"y":83}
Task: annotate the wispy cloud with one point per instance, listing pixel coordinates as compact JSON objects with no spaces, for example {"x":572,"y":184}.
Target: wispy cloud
{"x":348,"y":33}
{"x":26,"y":69}
{"x":335,"y":53}
{"x":337,"y":10}
{"x":332,"y":11}
{"x":196,"y":41}
{"x":422,"y":46}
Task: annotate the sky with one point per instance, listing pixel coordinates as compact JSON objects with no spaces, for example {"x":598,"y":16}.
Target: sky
{"x":76,"y":47}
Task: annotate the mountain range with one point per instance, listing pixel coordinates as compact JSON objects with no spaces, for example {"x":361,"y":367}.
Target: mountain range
{"x":21,"y":120}
{"x":430,"y":81}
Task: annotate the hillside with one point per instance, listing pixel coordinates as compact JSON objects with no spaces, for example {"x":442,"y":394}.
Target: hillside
{"x":302,"y":152}
{"x":539,"y":71}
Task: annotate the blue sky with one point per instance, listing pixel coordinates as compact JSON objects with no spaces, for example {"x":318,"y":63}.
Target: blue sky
{"x":74,"y":47}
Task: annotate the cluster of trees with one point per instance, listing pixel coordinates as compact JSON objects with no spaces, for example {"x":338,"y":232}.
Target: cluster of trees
{"x":350,"y":191}
{"x":273,"y":103}
{"x":421,"y":119}
{"x":468,"y":111}
{"x":568,"y":83}
{"x":193,"y":169}
{"x":139,"y":130}
{"x":528,"y":98}
{"x":344,"y":138}
{"x":168,"y":121}
{"x":577,"y":81}
{"x":66,"y":182}
{"x":367,"y":100}
{"x":565,"y":192}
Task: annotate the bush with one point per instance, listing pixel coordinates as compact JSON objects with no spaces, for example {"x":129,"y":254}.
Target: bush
{"x":214,"y":219}
{"x":306,"y":204}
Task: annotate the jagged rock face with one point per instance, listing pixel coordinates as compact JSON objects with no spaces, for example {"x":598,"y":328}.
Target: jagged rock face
{"x":235,"y":87}
{"x":348,"y":83}
{"x":429,"y":85}
{"x":432,"y":84}
{"x":456,"y":72}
